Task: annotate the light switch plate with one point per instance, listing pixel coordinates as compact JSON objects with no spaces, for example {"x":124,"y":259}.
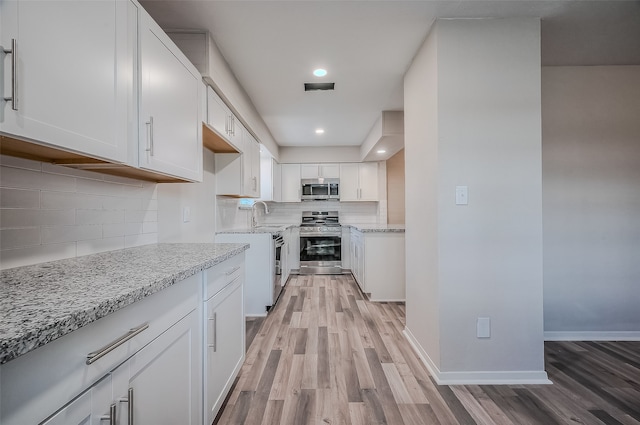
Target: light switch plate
{"x":186,"y":214}
{"x":462,"y":195}
{"x":483,"y":327}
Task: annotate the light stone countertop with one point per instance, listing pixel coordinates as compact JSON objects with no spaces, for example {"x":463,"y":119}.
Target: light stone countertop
{"x":265,"y":228}
{"x":378,"y":228}
{"x":43,"y":302}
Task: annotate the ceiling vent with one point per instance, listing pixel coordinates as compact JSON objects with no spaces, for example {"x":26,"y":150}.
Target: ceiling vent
{"x":318,"y":86}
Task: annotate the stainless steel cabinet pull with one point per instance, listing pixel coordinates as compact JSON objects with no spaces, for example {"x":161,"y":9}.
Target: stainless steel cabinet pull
{"x":14,"y":74}
{"x":112,"y":415}
{"x":150,"y":146}
{"x":214,"y":343}
{"x":226,"y":124}
{"x":95,"y":355}
{"x":233,"y":270}
{"x":129,"y":400}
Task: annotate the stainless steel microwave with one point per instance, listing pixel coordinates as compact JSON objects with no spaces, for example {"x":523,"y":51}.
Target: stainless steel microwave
{"x":320,"y":189}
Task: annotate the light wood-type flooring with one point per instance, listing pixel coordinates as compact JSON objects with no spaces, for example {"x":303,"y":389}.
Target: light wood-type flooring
{"x":325,"y":355}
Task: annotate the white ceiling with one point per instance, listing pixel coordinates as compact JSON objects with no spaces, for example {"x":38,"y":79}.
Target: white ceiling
{"x":273,"y":46}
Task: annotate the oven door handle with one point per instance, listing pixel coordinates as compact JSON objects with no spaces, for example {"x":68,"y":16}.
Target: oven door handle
{"x":316,"y":234}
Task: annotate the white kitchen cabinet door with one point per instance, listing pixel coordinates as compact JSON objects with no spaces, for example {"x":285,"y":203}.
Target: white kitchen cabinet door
{"x":314,"y":171}
{"x":368,"y":181}
{"x":251,"y":166}
{"x":291,"y":182}
{"x":171,"y":106}
{"x":359,"y":181}
{"x":349,"y":182}
{"x":78,"y":412}
{"x":277,"y":181}
{"x":75,"y":72}
{"x":165,"y":377}
{"x":224,"y":345}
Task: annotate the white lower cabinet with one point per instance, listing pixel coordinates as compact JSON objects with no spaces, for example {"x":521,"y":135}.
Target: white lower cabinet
{"x":224,"y":345}
{"x":377,"y":261}
{"x":177,"y":369}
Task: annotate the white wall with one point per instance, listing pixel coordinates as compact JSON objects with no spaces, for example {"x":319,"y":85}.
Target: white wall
{"x":485,"y":133}
{"x":421,"y":212}
{"x":299,"y":154}
{"x":591,"y":175}
{"x":48,"y":212}
{"x":198,"y":197}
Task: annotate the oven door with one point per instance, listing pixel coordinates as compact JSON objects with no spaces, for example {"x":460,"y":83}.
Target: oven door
{"x":320,"y":253}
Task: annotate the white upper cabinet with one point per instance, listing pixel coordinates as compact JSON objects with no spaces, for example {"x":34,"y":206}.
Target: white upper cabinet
{"x":359,"y":181}
{"x":314,"y":171}
{"x":251,"y":157}
{"x":73,"y":77}
{"x":238,"y":174}
{"x":220,"y":117}
{"x":172,"y":106}
{"x":290,"y":175}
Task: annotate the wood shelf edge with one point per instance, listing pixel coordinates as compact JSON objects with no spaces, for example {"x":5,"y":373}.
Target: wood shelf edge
{"x":213,"y":141}
{"x":10,"y":146}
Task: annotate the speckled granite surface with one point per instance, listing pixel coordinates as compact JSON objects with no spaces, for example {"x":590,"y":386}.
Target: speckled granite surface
{"x":43,"y":302}
{"x":378,"y":228}
{"x":271,"y":228}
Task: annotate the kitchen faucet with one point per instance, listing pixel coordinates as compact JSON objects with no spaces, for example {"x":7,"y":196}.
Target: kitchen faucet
{"x":254,"y":222}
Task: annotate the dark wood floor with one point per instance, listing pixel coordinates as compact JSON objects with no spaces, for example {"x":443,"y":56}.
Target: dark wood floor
{"x":325,"y":355}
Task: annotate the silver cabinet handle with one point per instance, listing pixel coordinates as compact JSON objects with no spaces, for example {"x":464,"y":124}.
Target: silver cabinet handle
{"x":98,"y":354}
{"x":112,"y":415}
{"x":150,"y":145}
{"x":14,"y":74}
{"x":226,"y":124}
{"x":214,"y":343}
{"x":129,"y":400}
{"x":255,"y":183}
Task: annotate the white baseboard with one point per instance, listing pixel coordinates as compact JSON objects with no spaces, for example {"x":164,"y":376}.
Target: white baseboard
{"x":476,"y":378}
{"x":256,"y":315}
{"x":592,"y":336}
{"x":383,"y":300}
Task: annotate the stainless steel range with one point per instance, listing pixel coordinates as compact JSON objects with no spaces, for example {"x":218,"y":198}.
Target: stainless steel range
{"x":320,"y":243}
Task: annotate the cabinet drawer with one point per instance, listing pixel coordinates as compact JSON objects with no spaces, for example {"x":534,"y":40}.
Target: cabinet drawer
{"x":220,"y":275}
{"x":39,"y":383}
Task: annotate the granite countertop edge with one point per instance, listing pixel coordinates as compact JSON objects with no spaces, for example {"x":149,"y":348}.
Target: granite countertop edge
{"x":378,"y":228}
{"x":23,"y":333}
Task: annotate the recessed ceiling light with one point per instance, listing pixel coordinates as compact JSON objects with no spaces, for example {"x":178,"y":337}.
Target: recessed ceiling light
{"x":382,"y":151}
{"x":319,"y":131}
{"x":320,"y":72}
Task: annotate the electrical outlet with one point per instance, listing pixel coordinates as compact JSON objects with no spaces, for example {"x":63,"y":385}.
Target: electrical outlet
{"x":483,"y":327}
{"x":186,"y":214}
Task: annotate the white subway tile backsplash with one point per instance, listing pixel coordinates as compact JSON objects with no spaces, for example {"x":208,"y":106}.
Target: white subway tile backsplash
{"x":98,"y":187}
{"x":99,"y":216}
{"x":116,"y":229}
{"x":19,"y":238}
{"x":10,"y":258}
{"x":150,"y":227}
{"x":21,"y":178}
{"x":137,"y":240}
{"x":95,"y":246}
{"x":33,"y":217}
{"x":49,"y":212}
{"x":59,"y":234}
{"x":19,"y":198}
{"x":12,"y":161}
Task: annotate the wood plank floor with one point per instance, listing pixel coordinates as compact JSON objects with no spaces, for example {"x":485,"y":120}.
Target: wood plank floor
{"x":325,"y":355}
